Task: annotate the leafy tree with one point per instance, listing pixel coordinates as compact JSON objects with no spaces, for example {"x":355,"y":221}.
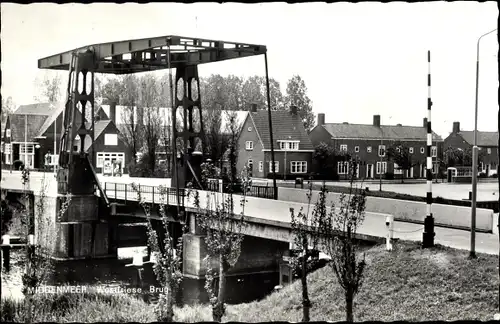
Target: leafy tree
{"x":167,"y":267}
{"x":306,"y":243}
{"x":8,"y":107}
{"x":131,"y":130}
{"x":112,"y":90}
{"x":253,"y":92}
{"x":324,"y":160}
{"x":149,"y":103}
{"x":49,"y":89}
{"x":400,"y":153}
{"x":456,"y":156}
{"x":296,"y":94}
{"x":338,"y":229}
{"x":222,"y":226}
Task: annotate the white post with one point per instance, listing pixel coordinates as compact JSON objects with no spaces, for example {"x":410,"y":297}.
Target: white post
{"x":25,"y":141}
{"x":137,"y":260}
{"x":6,"y":239}
{"x":389,"y":224}
{"x":31,"y":239}
{"x":55,"y":146}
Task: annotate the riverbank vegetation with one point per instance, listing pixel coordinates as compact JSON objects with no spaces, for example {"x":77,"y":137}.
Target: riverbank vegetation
{"x":408,"y":283}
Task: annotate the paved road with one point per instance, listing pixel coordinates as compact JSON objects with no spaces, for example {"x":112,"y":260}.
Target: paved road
{"x":485,"y":191}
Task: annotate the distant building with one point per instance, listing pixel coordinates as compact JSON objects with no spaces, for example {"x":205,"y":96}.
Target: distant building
{"x":28,"y":137}
{"x":486,"y":142}
{"x":293,"y":148}
{"x":364,"y":142}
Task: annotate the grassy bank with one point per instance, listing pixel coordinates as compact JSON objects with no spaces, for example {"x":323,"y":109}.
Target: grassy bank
{"x":408,"y":284}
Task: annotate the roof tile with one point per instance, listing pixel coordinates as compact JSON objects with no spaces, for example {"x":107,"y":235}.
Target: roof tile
{"x":483,"y":138}
{"x":387,"y":132}
{"x":285,"y":127}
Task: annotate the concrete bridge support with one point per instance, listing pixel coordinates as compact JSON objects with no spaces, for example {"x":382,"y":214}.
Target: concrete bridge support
{"x":258,"y":255}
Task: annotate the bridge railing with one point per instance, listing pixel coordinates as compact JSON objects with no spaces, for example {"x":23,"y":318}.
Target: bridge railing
{"x":252,"y":190}
{"x":152,"y":194}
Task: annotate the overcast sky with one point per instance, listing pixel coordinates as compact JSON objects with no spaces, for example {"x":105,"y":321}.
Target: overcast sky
{"x":357,"y":59}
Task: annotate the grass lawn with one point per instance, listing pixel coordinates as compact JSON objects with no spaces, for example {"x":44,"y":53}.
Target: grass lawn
{"x":409,"y":284}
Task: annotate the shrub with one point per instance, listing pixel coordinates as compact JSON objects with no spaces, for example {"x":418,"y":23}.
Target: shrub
{"x":482,"y":175}
{"x":389,"y":176}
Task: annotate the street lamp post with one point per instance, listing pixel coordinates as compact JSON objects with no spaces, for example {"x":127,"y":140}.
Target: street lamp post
{"x":474,"y":160}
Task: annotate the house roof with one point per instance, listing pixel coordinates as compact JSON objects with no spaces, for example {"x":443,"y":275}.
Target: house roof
{"x":43,"y":109}
{"x":387,"y":132}
{"x":483,"y":138}
{"x":58,"y":110}
{"x":285,"y":127}
{"x":18,"y":130}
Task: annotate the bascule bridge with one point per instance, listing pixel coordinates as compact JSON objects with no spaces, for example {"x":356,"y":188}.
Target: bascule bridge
{"x":76,"y":178}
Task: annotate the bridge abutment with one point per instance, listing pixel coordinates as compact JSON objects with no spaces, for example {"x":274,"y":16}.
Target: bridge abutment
{"x":80,"y":233}
{"x":258,"y":255}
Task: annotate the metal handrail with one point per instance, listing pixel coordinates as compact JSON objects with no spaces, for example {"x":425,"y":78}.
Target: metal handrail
{"x":122,"y":187}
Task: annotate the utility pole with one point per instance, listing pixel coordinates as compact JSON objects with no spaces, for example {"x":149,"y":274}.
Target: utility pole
{"x":474,"y":160}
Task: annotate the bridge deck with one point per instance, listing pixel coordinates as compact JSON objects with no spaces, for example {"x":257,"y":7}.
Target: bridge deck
{"x":277,"y":213}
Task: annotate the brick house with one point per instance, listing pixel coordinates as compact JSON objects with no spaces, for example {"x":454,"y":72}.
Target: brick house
{"x":364,"y":141}
{"x":29,"y":135}
{"x":486,"y":142}
{"x":293,"y":149}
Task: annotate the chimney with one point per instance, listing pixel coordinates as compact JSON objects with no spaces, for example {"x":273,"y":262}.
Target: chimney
{"x":253,"y":108}
{"x":321,"y":119}
{"x":376,"y":120}
{"x":112,"y":111}
{"x":456,"y":127}
{"x":425,"y":123}
{"x":293,"y":110}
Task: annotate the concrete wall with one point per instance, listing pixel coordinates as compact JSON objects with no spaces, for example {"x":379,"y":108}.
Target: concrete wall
{"x":257,"y":255}
{"x":450,"y":215}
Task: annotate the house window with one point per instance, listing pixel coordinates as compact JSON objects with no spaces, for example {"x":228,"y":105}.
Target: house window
{"x":422,"y":150}
{"x":27,"y":154}
{"x":381,"y":167}
{"x":369,"y":149}
{"x":342,"y":167}
{"x":381,"y":150}
{"x":102,"y":157}
{"x":434,"y":151}
{"x":411,"y":150}
{"x":8,"y":154}
{"x":356,"y":149}
{"x":398,"y":149}
{"x":289,"y":145}
{"x":52,"y":159}
{"x":250,"y":163}
{"x":488,"y":150}
{"x":298,"y":166}
{"x":7,"y":133}
{"x":343,"y":147}
{"x":110,"y":139}
{"x":249,"y":145}
{"x":397,"y":170}
{"x":261,"y":166}
{"x":276,"y":166}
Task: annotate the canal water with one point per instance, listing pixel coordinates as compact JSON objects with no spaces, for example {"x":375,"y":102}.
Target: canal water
{"x":113,"y":273}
